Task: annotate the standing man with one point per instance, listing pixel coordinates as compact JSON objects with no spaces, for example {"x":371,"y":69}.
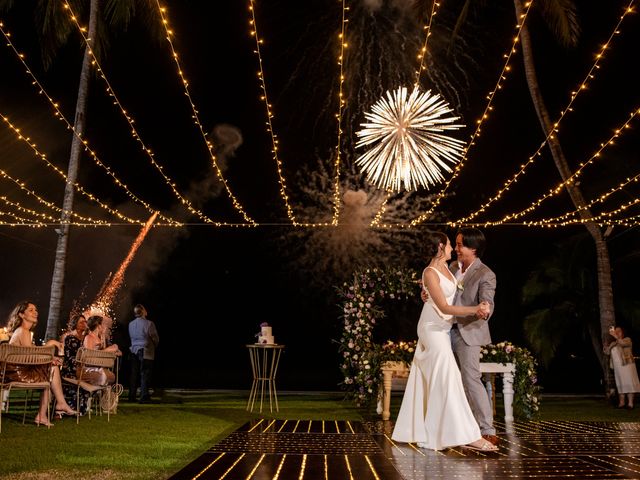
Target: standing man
{"x":144,"y":339}
{"x":476,"y":283}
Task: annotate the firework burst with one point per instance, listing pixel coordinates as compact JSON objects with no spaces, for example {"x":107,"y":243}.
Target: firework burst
{"x":410,"y":147}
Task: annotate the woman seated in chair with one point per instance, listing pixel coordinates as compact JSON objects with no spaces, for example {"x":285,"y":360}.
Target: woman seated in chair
{"x":73,"y":338}
{"x":22,"y":321}
{"x":94,"y":341}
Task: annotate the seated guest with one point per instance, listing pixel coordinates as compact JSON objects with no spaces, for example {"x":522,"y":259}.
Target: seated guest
{"x":94,"y":341}
{"x":73,"y":338}
{"x":22,"y":320}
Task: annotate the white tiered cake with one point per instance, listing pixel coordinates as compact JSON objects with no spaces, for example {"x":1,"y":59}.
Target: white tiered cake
{"x":266,"y":335}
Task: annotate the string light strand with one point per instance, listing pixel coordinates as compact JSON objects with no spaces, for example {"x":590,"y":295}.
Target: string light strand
{"x":573,"y":178}
{"x":341,"y":104}
{"x":485,"y":115}
{"x":58,"y":113}
{"x":76,"y":185}
{"x":269,"y":111}
{"x":555,"y":130}
{"x":196,"y":117}
{"x":130,"y":121}
{"x":422,"y":55}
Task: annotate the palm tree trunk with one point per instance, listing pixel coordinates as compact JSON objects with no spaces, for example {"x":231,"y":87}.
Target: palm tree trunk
{"x":605,"y":291}
{"x":59,"y":268}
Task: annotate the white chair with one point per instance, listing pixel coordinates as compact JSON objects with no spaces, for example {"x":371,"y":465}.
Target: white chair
{"x":107,"y":395}
{"x":24,"y":357}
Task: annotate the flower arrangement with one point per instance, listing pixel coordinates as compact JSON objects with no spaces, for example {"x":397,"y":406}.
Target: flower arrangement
{"x":526,"y":401}
{"x":397,"y":352}
{"x":361,"y":358}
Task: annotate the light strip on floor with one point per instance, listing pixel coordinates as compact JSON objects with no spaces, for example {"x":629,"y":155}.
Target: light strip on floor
{"x":256,"y":467}
{"x":275,"y":477}
{"x":232,"y":466}
{"x":210,"y":465}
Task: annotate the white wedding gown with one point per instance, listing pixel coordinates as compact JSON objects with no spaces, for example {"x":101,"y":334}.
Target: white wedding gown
{"x":435,"y":412}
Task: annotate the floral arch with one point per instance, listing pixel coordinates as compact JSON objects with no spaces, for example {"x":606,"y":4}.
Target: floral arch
{"x":361,"y":359}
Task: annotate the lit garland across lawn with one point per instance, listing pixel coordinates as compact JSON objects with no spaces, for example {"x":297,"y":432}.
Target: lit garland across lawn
{"x":360,"y":356}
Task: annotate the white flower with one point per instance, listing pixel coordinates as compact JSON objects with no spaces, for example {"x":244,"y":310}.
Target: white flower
{"x":460,"y":286}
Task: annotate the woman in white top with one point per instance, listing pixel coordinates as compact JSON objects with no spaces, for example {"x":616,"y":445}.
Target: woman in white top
{"x":624,"y":366}
{"x":94,"y":340}
{"x":435,"y":412}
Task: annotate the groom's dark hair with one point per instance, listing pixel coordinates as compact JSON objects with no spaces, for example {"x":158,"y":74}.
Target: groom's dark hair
{"x":473,"y":238}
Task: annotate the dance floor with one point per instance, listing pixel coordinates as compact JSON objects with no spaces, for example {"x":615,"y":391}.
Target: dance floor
{"x":348,"y":450}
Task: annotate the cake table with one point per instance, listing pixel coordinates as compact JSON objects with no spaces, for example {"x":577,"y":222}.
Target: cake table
{"x":264,"y":365}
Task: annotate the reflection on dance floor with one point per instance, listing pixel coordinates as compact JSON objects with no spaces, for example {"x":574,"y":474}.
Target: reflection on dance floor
{"x":344,"y":450}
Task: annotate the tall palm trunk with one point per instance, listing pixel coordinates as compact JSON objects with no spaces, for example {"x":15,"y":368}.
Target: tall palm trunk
{"x":605,"y":291}
{"x":60,"y":265}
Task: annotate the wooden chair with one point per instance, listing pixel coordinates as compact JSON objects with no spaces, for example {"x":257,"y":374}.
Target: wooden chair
{"x":24,"y":356}
{"x":106,"y":395}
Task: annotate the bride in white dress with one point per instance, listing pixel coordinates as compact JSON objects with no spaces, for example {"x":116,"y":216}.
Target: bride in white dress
{"x":435,"y":413}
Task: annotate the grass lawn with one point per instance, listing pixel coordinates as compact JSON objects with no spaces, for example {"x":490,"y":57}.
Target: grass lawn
{"x":153,"y":441}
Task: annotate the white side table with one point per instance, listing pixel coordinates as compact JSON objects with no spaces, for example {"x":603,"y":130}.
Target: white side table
{"x":399,"y":370}
{"x":506,"y":370}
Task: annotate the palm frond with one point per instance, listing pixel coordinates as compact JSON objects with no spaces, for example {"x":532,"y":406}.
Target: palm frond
{"x":562,"y":18}
{"x":537,"y":326}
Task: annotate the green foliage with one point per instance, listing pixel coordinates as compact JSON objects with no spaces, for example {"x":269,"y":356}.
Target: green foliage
{"x":361,"y":358}
{"x":561,"y":296}
{"x":526,"y":401}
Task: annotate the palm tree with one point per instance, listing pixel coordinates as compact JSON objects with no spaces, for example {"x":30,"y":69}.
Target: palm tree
{"x":55,"y":29}
{"x":565,"y":28}
{"x":561,"y":17}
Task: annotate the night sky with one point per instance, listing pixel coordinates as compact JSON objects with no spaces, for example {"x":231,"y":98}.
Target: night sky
{"x":209,"y":288}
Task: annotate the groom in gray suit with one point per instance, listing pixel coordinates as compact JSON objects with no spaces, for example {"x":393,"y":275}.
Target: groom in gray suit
{"x":476,"y":283}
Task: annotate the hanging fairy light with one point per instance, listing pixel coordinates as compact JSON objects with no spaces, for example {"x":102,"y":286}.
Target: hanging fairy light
{"x":410,"y":146}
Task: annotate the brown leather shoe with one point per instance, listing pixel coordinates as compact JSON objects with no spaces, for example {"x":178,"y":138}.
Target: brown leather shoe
{"x":492,"y":439}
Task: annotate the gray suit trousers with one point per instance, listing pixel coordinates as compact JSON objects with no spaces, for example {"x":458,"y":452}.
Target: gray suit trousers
{"x":468,"y":357}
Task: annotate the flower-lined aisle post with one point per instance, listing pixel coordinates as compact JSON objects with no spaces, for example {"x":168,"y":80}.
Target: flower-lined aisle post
{"x":361,"y":358}
{"x":526,"y":401}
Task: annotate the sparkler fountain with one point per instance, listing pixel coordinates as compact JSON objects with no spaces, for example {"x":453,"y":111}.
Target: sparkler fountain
{"x":112,"y":285}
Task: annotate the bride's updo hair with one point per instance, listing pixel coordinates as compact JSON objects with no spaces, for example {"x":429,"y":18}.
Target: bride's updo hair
{"x":434,"y":240}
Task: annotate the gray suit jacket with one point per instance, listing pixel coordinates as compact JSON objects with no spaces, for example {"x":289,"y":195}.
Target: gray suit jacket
{"x":478,"y":284}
